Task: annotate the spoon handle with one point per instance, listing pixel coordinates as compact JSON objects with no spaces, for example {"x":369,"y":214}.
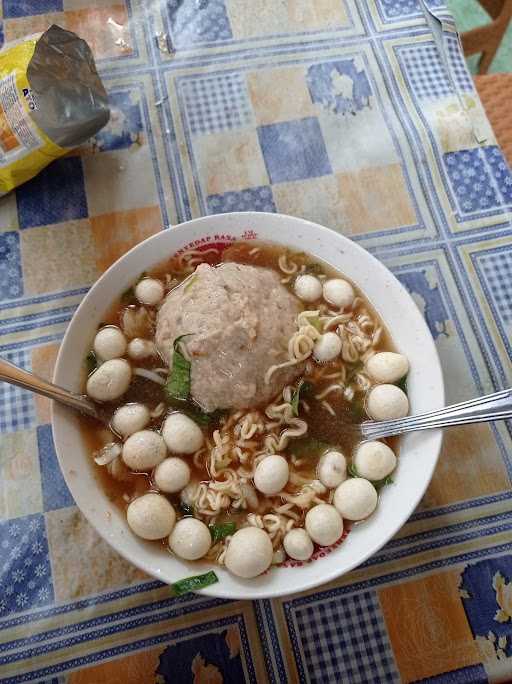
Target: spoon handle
{"x":497,"y":406}
{"x":22,"y":378}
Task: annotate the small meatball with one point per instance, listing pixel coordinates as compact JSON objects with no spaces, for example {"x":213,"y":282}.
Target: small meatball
{"x":374,"y":460}
{"x":298,"y":545}
{"x":324,"y":524}
{"x":387,"y":367}
{"x":385,"y":402}
{"x":332,"y":469}
{"x":141,"y":349}
{"x":151,"y":516}
{"x":308,"y":288}
{"x":190,"y":539}
{"x":110,"y":380}
{"x":271,"y":474}
{"x":339,"y":292}
{"x":181,"y":434}
{"x":355,"y":499}
{"x":149,"y":291}
{"x":249,"y":552}
{"x":144,"y":450}
{"x":130,"y":418}
{"x":109,"y":343}
{"x":172,"y":475}
{"x":327,"y":347}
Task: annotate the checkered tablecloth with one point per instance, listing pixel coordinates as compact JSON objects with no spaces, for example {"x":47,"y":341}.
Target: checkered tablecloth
{"x":359,"y":115}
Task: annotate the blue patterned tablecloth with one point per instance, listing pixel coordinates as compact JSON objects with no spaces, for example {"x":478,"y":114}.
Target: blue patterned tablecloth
{"x":358,"y":115}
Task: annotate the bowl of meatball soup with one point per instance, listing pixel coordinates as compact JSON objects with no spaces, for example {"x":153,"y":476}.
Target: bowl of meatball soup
{"x":232,"y":359}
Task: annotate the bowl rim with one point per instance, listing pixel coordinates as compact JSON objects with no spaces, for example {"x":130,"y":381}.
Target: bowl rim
{"x":263,"y":591}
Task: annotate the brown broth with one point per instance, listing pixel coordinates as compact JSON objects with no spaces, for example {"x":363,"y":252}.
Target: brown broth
{"x":322,"y":425}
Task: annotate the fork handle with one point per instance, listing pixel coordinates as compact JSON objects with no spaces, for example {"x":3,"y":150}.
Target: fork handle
{"x":497,"y":406}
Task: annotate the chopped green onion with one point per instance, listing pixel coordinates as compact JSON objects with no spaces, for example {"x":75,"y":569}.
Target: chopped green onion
{"x":194,"y":583}
{"x":308,"y":447}
{"x":127,"y":295}
{"x":91,"y":362}
{"x":186,"y":509}
{"x":402,"y":383}
{"x":178,"y":381}
{"x":382,"y":483}
{"x":314,"y":269}
{"x":352,"y":470}
{"x":191,"y":280}
{"x":222,"y":530}
{"x":378,"y":484}
{"x":303,"y":388}
{"x":316,"y":323}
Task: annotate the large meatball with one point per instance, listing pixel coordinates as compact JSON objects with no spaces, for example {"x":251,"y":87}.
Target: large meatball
{"x":239,"y":319}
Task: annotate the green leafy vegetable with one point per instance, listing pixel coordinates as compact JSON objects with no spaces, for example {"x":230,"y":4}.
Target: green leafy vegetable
{"x":303,"y":388}
{"x":382,"y":483}
{"x":222,"y":530}
{"x":316,"y":323}
{"x":178,"y":382}
{"x":194,"y":412}
{"x":190,"y":282}
{"x":314,"y":269}
{"x":308,"y":447}
{"x":402,"y":383}
{"x":378,"y":484}
{"x":186,"y":509}
{"x":194,"y":583}
{"x":91,"y":362}
{"x":352,"y":470}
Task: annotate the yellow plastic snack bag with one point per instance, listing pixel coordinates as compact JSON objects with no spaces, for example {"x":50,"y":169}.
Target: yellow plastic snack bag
{"x":51,"y":100}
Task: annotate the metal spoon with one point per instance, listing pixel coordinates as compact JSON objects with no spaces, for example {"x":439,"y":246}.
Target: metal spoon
{"x":497,"y":406}
{"x":18,"y":376}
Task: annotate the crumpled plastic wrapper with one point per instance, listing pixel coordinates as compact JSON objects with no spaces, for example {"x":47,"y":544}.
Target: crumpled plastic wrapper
{"x":51,"y":100}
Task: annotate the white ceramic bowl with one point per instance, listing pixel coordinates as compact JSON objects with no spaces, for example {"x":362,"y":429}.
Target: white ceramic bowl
{"x":418,"y":452}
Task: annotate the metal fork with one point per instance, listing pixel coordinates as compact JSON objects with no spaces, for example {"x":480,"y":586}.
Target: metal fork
{"x":497,"y":406}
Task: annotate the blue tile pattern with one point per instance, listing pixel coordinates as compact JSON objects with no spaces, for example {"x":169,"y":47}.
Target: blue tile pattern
{"x":176,"y":663}
{"x":403,"y":9}
{"x":25,"y":572}
{"x":17,"y":411}
{"x":294,"y":150}
{"x":252,"y":199}
{"x":344,"y":639}
{"x":339,"y":86}
{"x":458,"y":66}
{"x":11,"y":280}
{"x":25,"y":8}
{"x":473,"y":674}
{"x":497,"y":270}
{"x":394,"y":9}
{"x":425,"y":71}
{"x":195,"y":22}
{"x":434,"y":308}
{"x":479,"y":582}
{"x":500,"y":170}
{"x":57,"y":194}
{"x":55,"y":491}
{"x":216,"y":103}
{"x":125,"y":123}
{"x":470,"y":180}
